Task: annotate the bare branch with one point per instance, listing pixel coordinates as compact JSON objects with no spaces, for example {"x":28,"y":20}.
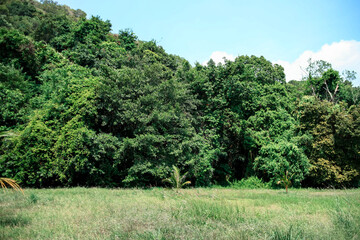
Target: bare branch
{"x":328,"y":91}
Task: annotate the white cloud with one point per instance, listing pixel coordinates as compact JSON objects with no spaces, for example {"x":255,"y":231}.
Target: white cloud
{"x":218,"y":57}
{"x":342,"y":55}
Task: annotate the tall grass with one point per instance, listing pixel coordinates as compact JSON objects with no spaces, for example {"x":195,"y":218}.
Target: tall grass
{"x":346,"y":217}
{"x":202,"y":210}
{"x":290,"y":234}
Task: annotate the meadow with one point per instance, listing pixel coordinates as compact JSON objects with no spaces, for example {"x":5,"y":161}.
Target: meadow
{"x":199,"y":213}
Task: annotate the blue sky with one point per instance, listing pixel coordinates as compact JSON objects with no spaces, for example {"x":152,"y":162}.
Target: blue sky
{"x":284,"y":32}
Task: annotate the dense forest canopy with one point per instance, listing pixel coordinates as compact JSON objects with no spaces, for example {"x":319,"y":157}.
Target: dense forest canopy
{"x":81,"y":105}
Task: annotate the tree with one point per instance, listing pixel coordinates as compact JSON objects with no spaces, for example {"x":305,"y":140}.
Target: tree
{"x":333,"y":147}
{"x":93,"y":30}
{"x":326,"y":83}
{"x":331,"y":82}
{"x":127,"y":39}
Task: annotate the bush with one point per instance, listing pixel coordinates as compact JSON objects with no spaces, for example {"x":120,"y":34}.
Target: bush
{"x":249,"y":183}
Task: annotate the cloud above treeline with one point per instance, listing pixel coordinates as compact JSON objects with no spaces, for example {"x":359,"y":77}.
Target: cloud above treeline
{"x":218,"y":57}
{"x":343,"y":55}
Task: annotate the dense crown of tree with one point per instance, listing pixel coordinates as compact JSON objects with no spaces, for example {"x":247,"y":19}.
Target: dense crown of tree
{"x":83,"y":106}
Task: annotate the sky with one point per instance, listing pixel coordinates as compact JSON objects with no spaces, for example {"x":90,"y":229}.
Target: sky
{"x":285,"y":32}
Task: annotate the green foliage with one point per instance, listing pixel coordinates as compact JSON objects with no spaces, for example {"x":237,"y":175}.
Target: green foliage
{"x":333,"y":149}
{"x":66,"y":92}
{"x":30,"y":160}
{"x":21,"y":8}
{"x":252,"y":182}
{"x":276,"y":158}
{"x":201,"y":164}
{"x":84,"y":157}
{"x":151,"y":111}
{"x":15,"y":93}
{"x":52,"y":27}
{"x":93,"y":30}
{"x":229,"y":96}
{"x":127,"y":39}
{"x":19,"y":50}
{"x":94,"y":108}
{"x":325,"y":83}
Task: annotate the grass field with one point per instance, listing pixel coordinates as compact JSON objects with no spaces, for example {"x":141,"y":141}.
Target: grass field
{"x":200,"y":213}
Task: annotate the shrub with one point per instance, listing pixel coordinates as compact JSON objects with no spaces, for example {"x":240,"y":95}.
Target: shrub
{"x":249,"y":183}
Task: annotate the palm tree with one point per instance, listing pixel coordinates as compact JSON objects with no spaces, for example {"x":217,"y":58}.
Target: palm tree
{"x":176,"y":180}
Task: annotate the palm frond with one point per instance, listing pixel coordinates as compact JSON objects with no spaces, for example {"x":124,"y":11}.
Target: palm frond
{"x":186,"y":183}
{"x":184,"y":176}
{"x":169,"y":180}
{"x":12,"y":183}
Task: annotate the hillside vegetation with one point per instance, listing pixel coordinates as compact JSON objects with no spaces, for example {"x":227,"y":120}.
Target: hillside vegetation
{"x":82,"y":106}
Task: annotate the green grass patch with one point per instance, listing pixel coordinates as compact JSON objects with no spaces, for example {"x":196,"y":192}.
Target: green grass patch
{"x":200,"y":213}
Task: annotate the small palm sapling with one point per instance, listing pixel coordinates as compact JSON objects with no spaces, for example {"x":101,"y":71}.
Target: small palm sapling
{"x":285,"y":180}
{"x":176,"y":180}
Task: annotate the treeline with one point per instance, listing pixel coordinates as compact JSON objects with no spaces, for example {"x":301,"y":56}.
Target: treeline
{"x":83,"y":106}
